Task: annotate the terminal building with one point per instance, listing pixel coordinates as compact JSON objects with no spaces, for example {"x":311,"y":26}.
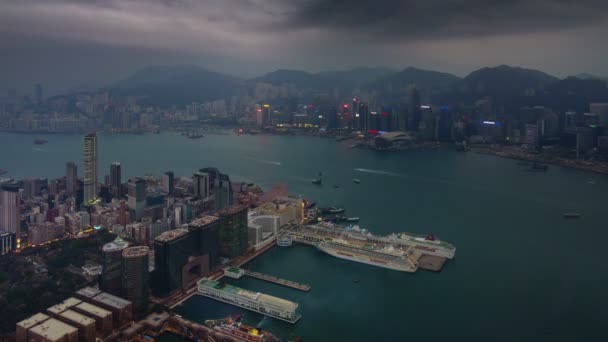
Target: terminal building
{"x":255,"y":301}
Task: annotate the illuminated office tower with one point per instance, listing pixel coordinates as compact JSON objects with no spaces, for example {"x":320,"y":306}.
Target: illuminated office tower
{"x":10,"y":221}
{"x":90,"y":167}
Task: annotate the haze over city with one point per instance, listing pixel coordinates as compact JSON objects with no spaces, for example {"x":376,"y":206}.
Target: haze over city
{"x":65,"y":44}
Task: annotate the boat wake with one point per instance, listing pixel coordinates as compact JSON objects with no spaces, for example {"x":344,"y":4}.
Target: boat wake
{"x":381,"y":172}
{"x":259,"y":325}
{"x":265,"y":161}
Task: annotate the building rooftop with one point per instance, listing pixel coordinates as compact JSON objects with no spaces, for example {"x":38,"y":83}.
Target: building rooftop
{"x":53,"y":329}
{"x":117,"y":245}
{"x":280,"y":302}
{"x":77,"y":318}
{"x":135,"y":252}
{"x":93,"y":310}
{"x":66,"y":304}
{"x":88,"y":292}
{"x":112,"y":301}
{"x":233,"y":209}
{"x":171,"y":235}
{"x":203,"y":221}
{"x":31,"y":321}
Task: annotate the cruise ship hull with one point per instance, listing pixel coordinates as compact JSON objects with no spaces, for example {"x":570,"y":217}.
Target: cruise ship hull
{"x":364,"y":259}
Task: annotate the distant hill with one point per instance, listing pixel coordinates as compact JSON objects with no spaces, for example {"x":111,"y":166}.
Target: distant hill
{"x":430,"y":83}
{"x":506,"y":85}
{"x":178,"y":85}
{"x":357,"y":76}
{"x":587,"y":76}
{"x":300,"y":79}
{"x":574,"y":94}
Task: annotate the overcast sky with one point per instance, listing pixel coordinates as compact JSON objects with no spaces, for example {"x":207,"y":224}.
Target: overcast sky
{"x":63,"y":43}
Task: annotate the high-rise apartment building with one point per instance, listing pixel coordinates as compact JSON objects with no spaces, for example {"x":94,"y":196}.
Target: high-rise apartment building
{"x":90,"y":168}
{"x":71,"y":179}
{"x":111,"y":274}
{"x":136,"y":277}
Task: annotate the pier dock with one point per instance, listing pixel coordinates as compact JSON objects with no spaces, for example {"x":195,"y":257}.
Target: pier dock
{"x":277,"y":280}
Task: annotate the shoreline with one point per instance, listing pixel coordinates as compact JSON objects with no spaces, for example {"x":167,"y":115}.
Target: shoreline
{"x":599,"y":168}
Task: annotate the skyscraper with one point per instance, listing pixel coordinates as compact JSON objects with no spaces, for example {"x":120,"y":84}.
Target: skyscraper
{"x":11,"y":208}
{"x":137,"y":196}
{"x":136,"y":278}
{"x":90,"y":167}
{"x":220,"y":188}
{"x":201,"y":184}
{"x":233,"y":231}
{"x":205,"y":232}
{"x":71,"y":179}
{"x":168,"y":182}
{"x":111,"y":274}
{"x":172,"y":252}
{"x":115,"y":179}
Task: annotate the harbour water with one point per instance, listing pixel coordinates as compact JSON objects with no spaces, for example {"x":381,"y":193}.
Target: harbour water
{"x":521,"y":273}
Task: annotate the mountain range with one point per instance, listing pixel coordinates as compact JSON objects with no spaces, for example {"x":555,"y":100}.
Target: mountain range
{"x":508,"y":87}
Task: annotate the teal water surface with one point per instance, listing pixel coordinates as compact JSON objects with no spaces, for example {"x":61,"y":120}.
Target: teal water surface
{"x":522,"y":272}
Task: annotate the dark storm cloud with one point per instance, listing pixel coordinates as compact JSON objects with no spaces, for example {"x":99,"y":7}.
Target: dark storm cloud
{"x":255,"y":36}
{"x":406,"y":19}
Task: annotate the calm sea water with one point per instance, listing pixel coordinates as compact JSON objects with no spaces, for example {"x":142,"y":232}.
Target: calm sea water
{"x":521,"y":273}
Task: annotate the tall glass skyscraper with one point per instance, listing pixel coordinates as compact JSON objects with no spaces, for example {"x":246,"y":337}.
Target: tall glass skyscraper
{"x":137,"y":196}
{"x":115,"y":180}
{"x":90,"y":167}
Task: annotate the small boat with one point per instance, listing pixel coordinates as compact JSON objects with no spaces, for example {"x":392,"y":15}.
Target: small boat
{"x":352,"y":146}
{"x":572,"y":215}
{"x":318,"y":180}
{"x":332,"y":210}
{"x":336,"y":186}
{"x":40,"y":141}
{"x":349,"y":219}
{"x":356,"y":280}
{"x":356,"y":181}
